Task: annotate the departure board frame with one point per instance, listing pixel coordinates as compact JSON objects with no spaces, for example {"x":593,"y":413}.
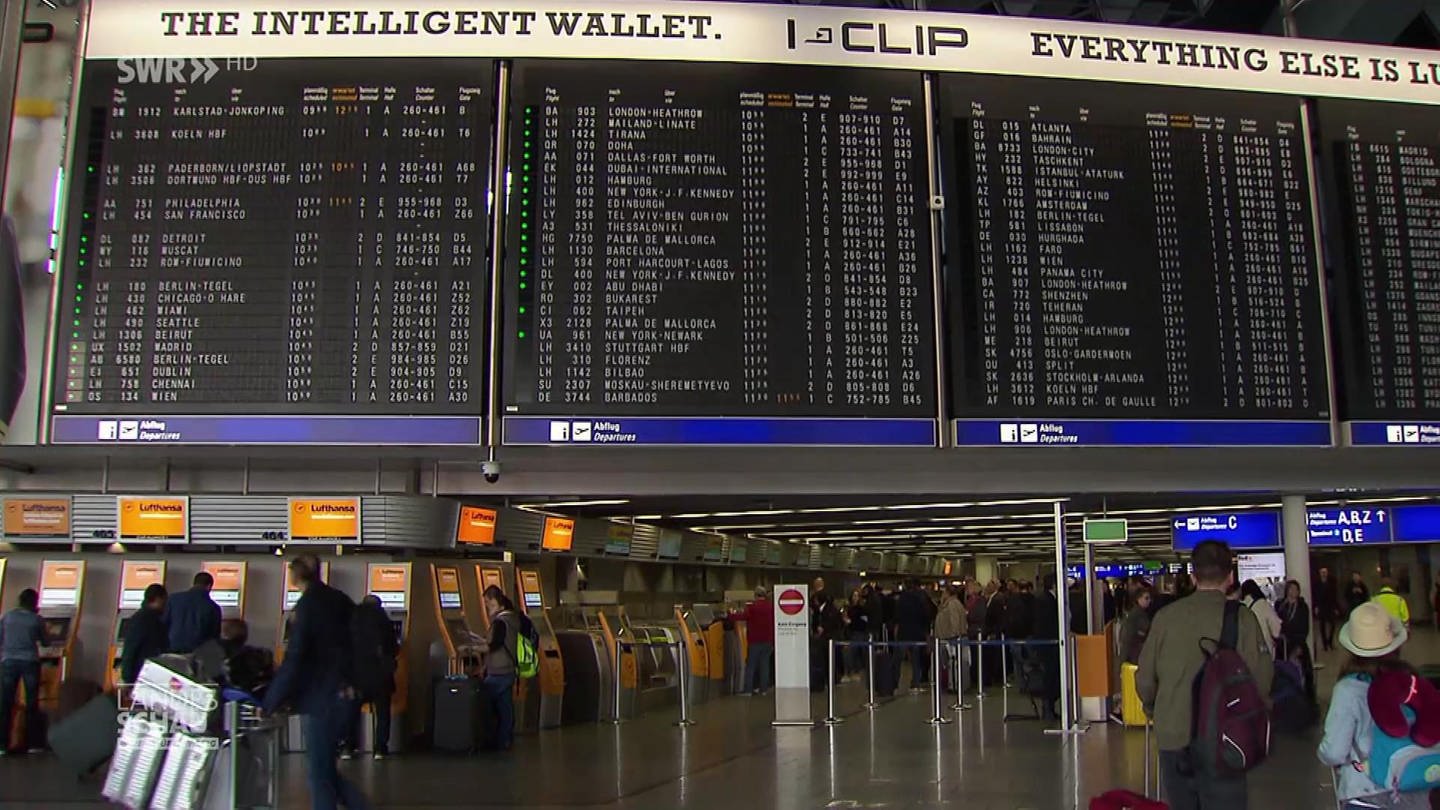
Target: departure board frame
{"x":412,"y":397}
{"x":1384,"y":402}
{"x":750,"y":257}
{"x":1114,"y":365}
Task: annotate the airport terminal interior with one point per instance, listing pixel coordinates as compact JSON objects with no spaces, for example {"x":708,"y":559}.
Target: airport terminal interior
{"x":645,"y":314}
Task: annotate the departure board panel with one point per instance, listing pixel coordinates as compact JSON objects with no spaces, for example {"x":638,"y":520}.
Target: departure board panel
{"x":718,"y":254}
{"x":287,"y":251}
{"x":1383,"y":172}
{"x":1130,"y":266}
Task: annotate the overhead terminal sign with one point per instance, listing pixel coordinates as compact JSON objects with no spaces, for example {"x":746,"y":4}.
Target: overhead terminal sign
{"x":1417,"y":524}
{"x":1236,"y":529}
{"x":1348,"y":526}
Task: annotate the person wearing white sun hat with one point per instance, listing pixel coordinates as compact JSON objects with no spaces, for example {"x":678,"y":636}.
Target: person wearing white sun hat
{"x":1373,"y":637}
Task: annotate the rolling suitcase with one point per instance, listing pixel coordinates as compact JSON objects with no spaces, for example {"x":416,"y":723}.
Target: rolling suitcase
{"x":1132,"y":712}
{"x":459,"y":707}
{"x":887,"y":673}
{"x":85,"y":738}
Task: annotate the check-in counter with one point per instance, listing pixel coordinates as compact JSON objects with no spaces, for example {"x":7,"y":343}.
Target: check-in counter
{"x":540,"y":699}
{"x":135,"y":577}
{"x":62,"y":591}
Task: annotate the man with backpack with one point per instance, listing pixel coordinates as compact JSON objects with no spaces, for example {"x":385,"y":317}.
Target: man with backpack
{"x":377,"y":650}
{"x":1204,"y":673}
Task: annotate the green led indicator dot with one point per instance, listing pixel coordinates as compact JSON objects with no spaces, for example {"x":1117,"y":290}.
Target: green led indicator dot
{"x":524,"y":249}
{"x":84,"y":239}
{"x":77,"y":310}
{"x":524,"y":237}
{"x":522,"y":310}
{"x":524,"y":273}
{"x":87,"y":214}
{"x":75,"y":334}
{"x":522,"y":335}
{"x":90,"y":169}
{"x":77,"y":323}
{"x":522,"y":286}
{"x":527,"y":155}
{"x":527,"y":133}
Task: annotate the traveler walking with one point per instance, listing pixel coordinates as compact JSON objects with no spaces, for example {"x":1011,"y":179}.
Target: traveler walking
{"x":377,"y":649}
{"x":317,"y":678}
{"x":1252,"y":597}
{"x":1392,"y":601}
{"x":951,"y":624}
{"x":1170,"y":662}
{"x":192,"y":617}
{"x":146,"y":636}
{"x":1046,"y":627}
{"x":1356,"y":594}
{"x":1136,"y":627}
{"x":22,"y":634}
{"x":1373,"y":639}
{"x":502,"y":664}
{"x":1327,"y":608}
{"x":914,"y":613}
{"x":759,"y":618}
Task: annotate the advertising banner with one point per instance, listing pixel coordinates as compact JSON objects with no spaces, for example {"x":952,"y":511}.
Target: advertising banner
{"x":37,"y":519}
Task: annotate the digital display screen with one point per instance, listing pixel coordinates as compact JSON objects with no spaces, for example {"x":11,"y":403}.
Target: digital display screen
{"x":292,"y":598}
{"x":59,"y":597}
{"x":449,"y":600}
{"x":1417,"y":524}
{"x":718,"y":241}
{"x":1383,"y":162}
{"x":392,"y":600}
{"x":225,"y":598}
{"x":123,"y":629}
{"x":1141,"y":261}
{"x":532,"y":600}
{"x":669,"y":546}
{"x":1258,"y":567}
{"x":305,"y":239}
{"x":55,"y":630}
{"x":132,"y":598}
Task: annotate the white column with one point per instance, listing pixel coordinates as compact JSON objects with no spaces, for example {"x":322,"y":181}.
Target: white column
{"x":1296,"y":532}
{"x":1092,"y":622}
{"x":1062,"y":605}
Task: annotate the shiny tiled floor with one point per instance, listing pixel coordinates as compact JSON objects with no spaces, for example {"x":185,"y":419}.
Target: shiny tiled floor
{"x":733,"y":758}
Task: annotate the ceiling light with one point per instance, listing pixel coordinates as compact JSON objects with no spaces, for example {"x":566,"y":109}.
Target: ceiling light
{"x":532,"y":507}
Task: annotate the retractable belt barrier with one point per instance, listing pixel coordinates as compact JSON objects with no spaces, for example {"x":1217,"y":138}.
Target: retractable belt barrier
{"x":682,"y":674}
{"x":935,"y":645}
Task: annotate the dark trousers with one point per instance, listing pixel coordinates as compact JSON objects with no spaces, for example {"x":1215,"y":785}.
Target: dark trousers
{"x":919,"y":665}
{"x":501,"y":690}
{"x":380,"y":709}
{"x":324,"y":728}
{"x":1326,"y":625}
{"x":1187,"y":786}
{"x":12,"y":675}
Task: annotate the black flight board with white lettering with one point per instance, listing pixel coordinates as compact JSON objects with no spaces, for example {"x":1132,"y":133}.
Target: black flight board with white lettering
{"x":284,"y":237}
{"x":1383,"y":167}
{"x":1127,"y":253}
{"x":717,"y":240}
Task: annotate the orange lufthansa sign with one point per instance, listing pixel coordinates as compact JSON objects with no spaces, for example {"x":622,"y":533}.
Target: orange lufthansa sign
{"x":477,"y":526}
{"x":37,"y":518}
{"x":389,"y":578}
{"x":559,"y":534}
{"x":228,"y":575}
{"x":333,"y":520}
{"x":154,"y":518}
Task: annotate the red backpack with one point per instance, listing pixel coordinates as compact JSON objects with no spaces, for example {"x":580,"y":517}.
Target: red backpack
{"x":1232,"y":726}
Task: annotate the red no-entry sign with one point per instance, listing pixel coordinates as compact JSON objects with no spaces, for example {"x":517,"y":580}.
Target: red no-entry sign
{"x":791,"y":602}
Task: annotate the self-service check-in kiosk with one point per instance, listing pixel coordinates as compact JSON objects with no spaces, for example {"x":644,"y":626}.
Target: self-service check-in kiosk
{"x":697,"y":658}
{"x":62,"y":590}
{"x":543,"y":698}
{"x":489,"y":575}
{"x":461,"y":643}
{"x":390,"y":583}
{"x":229,"y":589}
{"x":135,"y":577}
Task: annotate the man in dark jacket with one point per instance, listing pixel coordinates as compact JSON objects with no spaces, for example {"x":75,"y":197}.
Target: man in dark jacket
{"x":145,"y":636}
{"x":316,"y":678}
{"x":192,"y":617}
{"x":376,"y":650}
{"x":1047,"y":628}
{"x":1327,"y":608}
{"x":1356,"y":594}
{"x":914,"y":613}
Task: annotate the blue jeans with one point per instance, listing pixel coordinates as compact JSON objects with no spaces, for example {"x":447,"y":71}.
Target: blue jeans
{"x":757,"y":667}
{"x":324,"y":729}
{"x":12,"y":675}
{"x":501,"y":689}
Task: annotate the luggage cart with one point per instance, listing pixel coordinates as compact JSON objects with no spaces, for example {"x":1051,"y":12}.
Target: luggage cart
{"x":247,"y":763}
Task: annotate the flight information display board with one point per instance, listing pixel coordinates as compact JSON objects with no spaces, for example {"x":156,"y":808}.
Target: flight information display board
{"x":293,"y":252}
{"x":717,"y":254}
{"x":1130,"y":266}
{"x":1382,"y":164}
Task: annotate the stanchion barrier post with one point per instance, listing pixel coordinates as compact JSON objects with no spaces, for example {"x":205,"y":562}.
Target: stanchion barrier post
{"x":957,"y":653}
{"x":616,"y":676}
{"x":1005,"y":660}
{"x":830,"y":718}
{"x":980,"y":668}
{"x":938,"y":717}
{"x":870,"y":675}
{"x":684,"y":670}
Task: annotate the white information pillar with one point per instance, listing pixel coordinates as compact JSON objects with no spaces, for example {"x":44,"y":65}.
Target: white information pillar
{"x":792,"y":655}
{"x":1062,"y":608}
{"x":1295,"y":530}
